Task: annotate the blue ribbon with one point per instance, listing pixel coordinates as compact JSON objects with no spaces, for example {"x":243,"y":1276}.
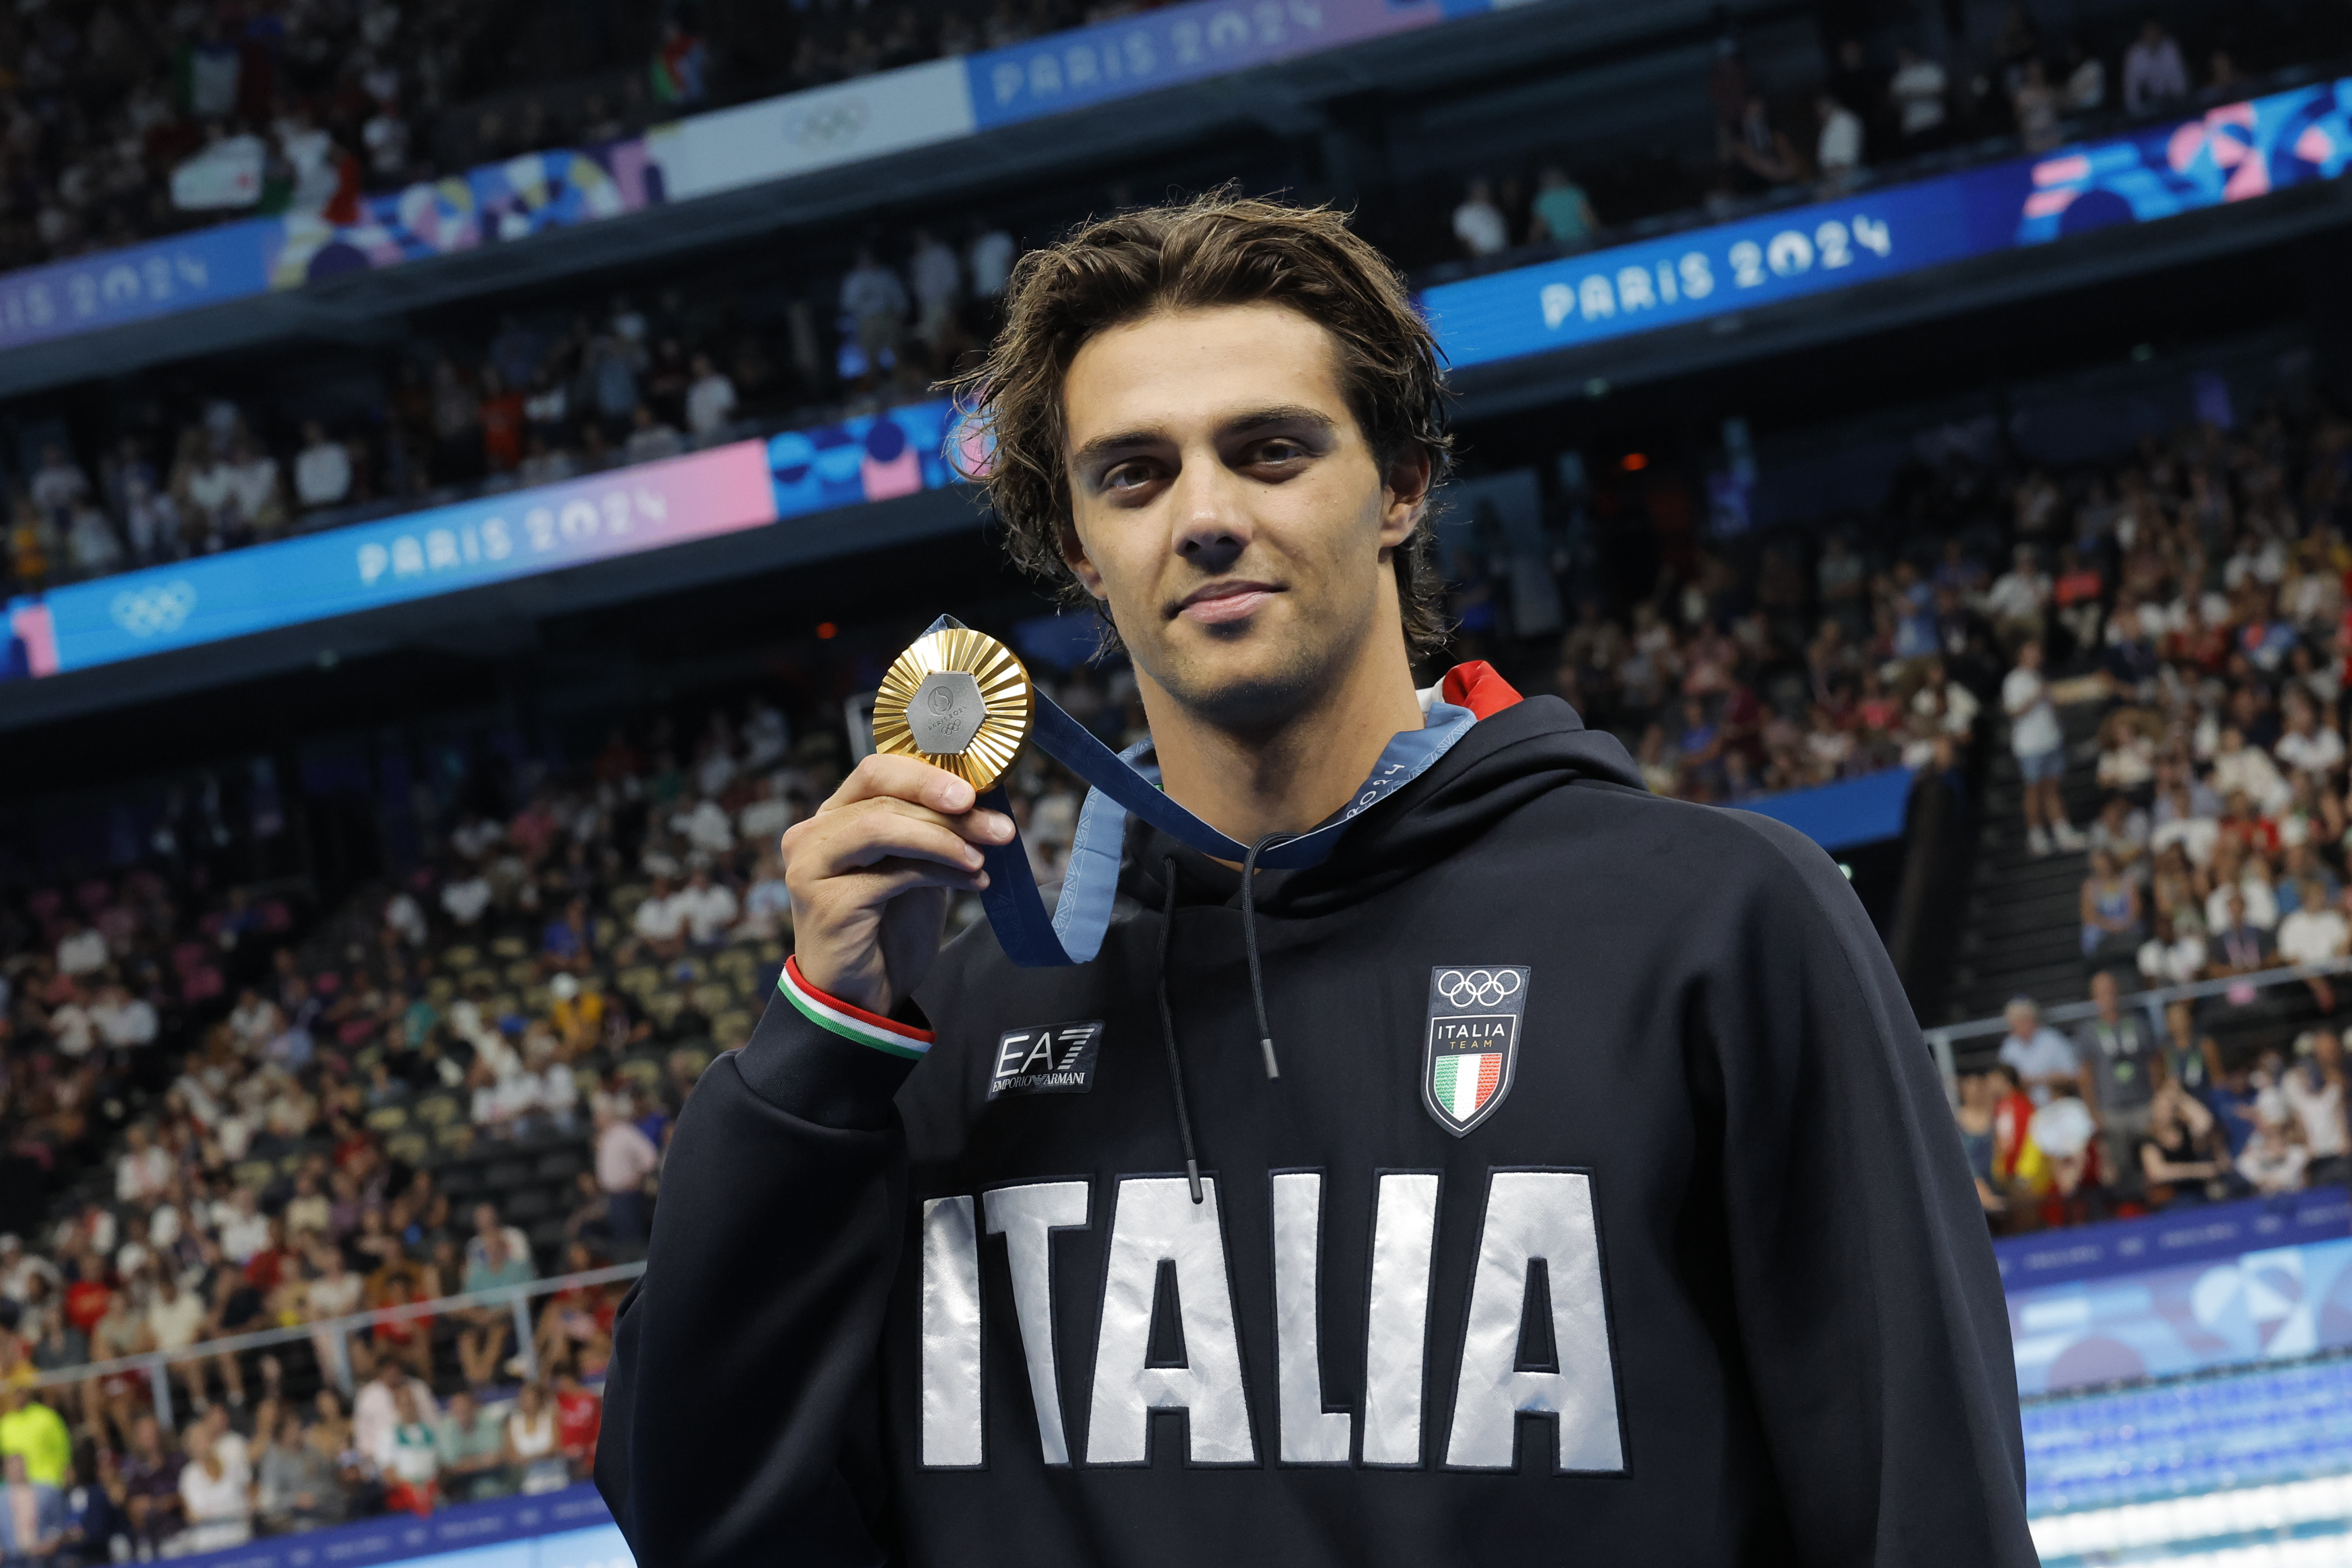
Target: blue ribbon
{"x":1125,"y":783}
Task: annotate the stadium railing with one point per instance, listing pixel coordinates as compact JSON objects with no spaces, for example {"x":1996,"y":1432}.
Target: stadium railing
{"x":331,"y":1336}
{"x":1944,"y":1039}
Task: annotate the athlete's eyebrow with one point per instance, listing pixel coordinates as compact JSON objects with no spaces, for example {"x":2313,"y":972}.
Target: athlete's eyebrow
{"x":1102,"y":448}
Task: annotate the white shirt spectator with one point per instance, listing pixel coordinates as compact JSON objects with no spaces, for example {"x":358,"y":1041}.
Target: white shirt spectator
{"x":2033,"y":717}
{"x":2045,"y":1055}
{"x":2319,"y":1106}
{"x":2321,"y":751}
{"x":2243,"y":767}
{"x":127,"y":1022}
{"x":707,"y":827}
{"x":1918,"y":88}
{"x":140,"y":1176}
{"x":2311,"y":936}
{"x":466,"y":898}
{"x":476,"y":838}
{"x":2262,"y":904}
{"x":71,"y":1030}
{"x":401,"y":913}
{"x":375,"y":1416}
{"x":709,"y":403}
{"x":763,"y":822}
{"x":1840,"y":148}
{"x":1478,"y":223}
{"x":253,"y":486}
{"x":624,"y":1157}
{"x":2175,"y":963}
{"x":81,"y":952}
{"x":244,"y":1232}
{"x":59,"y":483}
{"x":90,"y":542}
{"x":659,"y":919}
{"x":322,"y":474}
{"x":872,"y":289}
{"x":2018,"y":594}
{"x":766,"y":737}
{"x":707,"y":910}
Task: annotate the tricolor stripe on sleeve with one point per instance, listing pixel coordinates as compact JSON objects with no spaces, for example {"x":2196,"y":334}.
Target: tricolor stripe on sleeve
{"x":851,"y":1022}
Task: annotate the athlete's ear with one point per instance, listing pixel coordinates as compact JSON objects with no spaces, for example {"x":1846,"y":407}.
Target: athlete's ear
{"x":1073,"y":553}
{"x":1405,"y":491}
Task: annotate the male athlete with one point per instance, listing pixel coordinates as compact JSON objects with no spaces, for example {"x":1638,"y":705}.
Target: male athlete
{"x":1594,"y":1201}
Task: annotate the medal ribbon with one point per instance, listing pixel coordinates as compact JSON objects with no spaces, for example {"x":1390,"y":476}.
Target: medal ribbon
{"x":1128,"y":783}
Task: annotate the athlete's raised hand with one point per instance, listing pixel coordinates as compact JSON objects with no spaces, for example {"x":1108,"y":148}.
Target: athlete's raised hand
{"x":870,"y":874}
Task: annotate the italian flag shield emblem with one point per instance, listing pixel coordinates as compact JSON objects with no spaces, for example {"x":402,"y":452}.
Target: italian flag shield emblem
{"x":1472,"y":1050}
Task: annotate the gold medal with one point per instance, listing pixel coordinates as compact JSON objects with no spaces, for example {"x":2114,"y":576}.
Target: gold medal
{"x":959,"y":700}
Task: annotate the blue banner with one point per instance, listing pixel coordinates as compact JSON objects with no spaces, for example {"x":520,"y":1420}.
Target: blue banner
{"x":566,"y":1529}
{"x":874,"y":457}
{"x":136,"y":283}
{"x":2190,"y":1234}
{"x":1156,"y":48}
{"x":1844,"y":815}
{"x":2232,"y":154}
{"x":368,"y":566}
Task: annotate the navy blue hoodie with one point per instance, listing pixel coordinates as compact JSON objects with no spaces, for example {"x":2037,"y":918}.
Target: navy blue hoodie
{"x":1606,"y":1209}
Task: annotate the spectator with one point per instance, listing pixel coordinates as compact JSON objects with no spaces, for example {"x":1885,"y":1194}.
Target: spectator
{"x":710,"y":401}
{"x":32,"y":1515}
{"x":626,"y":1158}
{"x":533,"y":1448}
{"x":57,"y":483}
{"x":660,"y":920}
{"x":579,"y":1415}
{"x":1917,"y":89}
{"x":1563,"y":213}
{"x":2040,"y":745}
{"x":651,"y":438}
{"x":1479,"y":225}
{"x":2154,"y":73}
{"x":297,"y":1488}
{"x":501,"y":421}
{"x":2313,"y":1090}
{"x":937,"y":282}
{"x":377,"y":1412}
{"x":2037,"y":105}
{"x":2038,"y":1054}
{"x":2122,"y":1059}
{"x":415,"y":1464}
{"x":1838,"y":153}
{"x":471,"y":1448}
{"x":875,"y":301}
{"x":2086,"y":81}
{"x":32,"y":1434}
{"x":150,"y":1485}
{"x":496,"y":1258}
{"x":988,"y":261}
{"x":322,"y":472}
{"x":709,"y":908}
{"x":215,"y":1487}
{"x":2111,"y":919}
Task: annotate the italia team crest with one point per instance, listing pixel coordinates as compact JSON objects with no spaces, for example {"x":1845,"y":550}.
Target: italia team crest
{"x":1473,"y":1049}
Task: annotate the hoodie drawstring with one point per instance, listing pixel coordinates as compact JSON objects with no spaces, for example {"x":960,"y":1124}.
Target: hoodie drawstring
{"x":1249,"y":945}
{"x":1257,"y":994}
{"x":1168,"y":1030}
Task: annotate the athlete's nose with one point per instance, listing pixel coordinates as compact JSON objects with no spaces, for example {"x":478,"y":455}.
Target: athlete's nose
{"x":1212,"y":529}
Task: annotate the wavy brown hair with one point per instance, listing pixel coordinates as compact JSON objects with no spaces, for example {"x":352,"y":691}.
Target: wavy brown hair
{"x":1220,"y":248}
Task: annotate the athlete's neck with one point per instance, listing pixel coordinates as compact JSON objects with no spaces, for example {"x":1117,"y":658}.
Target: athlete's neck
{"x":1286,"y":777}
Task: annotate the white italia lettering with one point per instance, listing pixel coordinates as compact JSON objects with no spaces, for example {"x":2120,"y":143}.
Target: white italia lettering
{"x":952,"y":1434}
{"x":1396,"y":1317}
{"x":1028,"y":1217}
{"x":1310,"y":1434}
{"x":1537,"y":1217}
{"x":1155,"y":1221}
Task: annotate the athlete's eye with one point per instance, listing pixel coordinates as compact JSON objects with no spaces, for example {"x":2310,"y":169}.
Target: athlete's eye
{"x":1126,"y":477}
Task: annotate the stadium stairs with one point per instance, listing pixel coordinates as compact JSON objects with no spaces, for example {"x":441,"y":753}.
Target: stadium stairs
{"x":2022,"y":935}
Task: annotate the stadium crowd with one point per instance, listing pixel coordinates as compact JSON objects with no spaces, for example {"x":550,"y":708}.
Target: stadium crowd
{"x":2191,"y":604}
{"x":1883,"y":105}
{"x":529,"y":397}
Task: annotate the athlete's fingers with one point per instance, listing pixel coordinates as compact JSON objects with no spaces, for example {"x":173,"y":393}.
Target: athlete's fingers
{"x":871,"y":836}
{"x":904,"y":778}
{"x":887,"y":878}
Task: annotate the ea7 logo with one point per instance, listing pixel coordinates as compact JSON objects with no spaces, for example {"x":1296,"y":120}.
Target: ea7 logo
{"x":1472,"y":1053}
{"x":1059,"y":1058}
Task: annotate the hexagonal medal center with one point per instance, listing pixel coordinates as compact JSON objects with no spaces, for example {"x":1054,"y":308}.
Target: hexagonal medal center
{"x":947,"y":712}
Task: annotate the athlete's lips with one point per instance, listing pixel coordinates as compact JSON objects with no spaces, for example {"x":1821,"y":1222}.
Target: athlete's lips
{"x":1215,"y":602}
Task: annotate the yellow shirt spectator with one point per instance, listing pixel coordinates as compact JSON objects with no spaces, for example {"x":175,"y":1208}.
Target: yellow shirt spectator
{"x":31,"y":1428}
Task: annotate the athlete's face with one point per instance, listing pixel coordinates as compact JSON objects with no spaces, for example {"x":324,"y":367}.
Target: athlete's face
{"x":1229,"y":509}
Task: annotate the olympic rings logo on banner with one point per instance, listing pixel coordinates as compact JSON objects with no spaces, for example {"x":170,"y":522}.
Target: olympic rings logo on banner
{"x":1484,"y":987}
{"x":147,"y":612}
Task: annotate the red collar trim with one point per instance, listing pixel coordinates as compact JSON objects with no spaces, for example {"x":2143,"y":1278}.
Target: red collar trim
{"x":1477,"y":687}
